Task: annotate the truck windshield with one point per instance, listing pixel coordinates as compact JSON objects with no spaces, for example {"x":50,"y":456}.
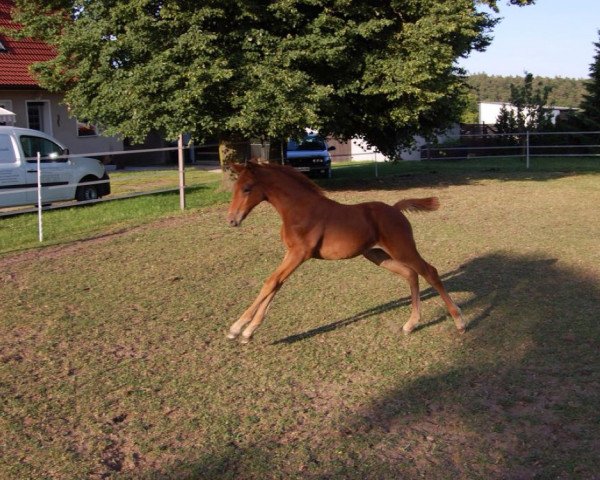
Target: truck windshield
{"x":309,"y":143}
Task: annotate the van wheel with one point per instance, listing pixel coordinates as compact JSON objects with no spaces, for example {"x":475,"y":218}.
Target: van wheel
{"x":86,"y":192}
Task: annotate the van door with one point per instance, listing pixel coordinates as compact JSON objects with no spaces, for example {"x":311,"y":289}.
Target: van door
{"x":56,"y":172}
{"x":13,"y":182}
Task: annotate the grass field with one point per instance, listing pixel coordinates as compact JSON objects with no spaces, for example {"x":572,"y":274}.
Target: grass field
{"x":114,"y":362}
{"x":203,"y":188}
{"x":132,"y":181}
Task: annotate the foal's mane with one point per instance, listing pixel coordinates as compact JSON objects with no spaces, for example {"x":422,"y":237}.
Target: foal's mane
{"x":285,"y":173}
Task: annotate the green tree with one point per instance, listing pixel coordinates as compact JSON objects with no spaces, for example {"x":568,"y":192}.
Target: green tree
{"x":529,"y":108}
{"x":232,"y":69}
{"x":590,"y":105}
{"x":470,"y":113}
{"x":566,"y":92}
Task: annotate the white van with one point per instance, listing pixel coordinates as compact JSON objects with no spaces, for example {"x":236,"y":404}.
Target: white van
{"x":62,"y":177}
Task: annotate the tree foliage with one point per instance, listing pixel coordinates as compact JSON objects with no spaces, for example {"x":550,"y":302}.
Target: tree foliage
{"x":565,"y":92}
{"x":590,"y":105}
{"x":528,"y":110}
{"x":260,"y":69}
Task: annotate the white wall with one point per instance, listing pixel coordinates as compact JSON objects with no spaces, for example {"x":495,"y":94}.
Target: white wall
{"x":361,"y":152}
{"x":489,"y":111}
{"x":59,"y":123}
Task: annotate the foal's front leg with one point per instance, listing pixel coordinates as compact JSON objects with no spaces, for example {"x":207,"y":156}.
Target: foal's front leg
{"x":254,"y":315}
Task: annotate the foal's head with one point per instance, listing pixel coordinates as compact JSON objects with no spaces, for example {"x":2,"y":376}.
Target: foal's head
{"x":247,"y":193}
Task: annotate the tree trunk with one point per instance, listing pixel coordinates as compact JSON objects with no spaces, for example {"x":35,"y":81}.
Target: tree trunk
{"x":277,"y":151}
{"x":233,"y":149}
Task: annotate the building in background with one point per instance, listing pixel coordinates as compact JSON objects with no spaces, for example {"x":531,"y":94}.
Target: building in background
{"x":489,"y":111}
{"x":34,"y":107}
{"x":360,"y":151}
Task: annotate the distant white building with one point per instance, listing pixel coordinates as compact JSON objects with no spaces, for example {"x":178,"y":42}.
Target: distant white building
{"x":489,"y":111}
{"x":360,"y":151}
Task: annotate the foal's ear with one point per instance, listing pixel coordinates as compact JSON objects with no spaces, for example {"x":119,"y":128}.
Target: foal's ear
{"x":237,"y":167}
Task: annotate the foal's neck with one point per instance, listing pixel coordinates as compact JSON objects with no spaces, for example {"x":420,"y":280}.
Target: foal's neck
{"x":293,"y":197}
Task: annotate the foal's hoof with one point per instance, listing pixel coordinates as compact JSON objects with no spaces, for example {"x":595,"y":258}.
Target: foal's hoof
{"x":462,"y":330}
{"x":245,"y":340}
{"x":409,"y":327}
{"x":232,"y":336}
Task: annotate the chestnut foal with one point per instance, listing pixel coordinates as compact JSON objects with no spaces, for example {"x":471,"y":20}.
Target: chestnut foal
{"x":315,"y":226}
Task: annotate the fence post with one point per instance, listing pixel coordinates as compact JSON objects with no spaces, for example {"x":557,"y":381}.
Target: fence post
{"x":181,"y":165}
{"x":39,"y":197}
{"x":527,"y":150}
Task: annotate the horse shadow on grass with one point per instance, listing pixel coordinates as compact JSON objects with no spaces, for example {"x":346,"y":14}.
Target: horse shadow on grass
{"x":364,"y":315}
{"x":374,"y":312}
{"x":518,"y":398}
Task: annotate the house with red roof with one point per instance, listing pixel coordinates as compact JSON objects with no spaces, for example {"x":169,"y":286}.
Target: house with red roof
{"x":34,"y":107}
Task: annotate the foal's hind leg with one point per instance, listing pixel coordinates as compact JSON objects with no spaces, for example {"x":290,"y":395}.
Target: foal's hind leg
{"x":382,"y":259}
{"x":430,"y":274}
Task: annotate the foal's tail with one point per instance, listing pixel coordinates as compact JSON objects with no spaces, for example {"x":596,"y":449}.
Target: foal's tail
{"x":418,"y":204}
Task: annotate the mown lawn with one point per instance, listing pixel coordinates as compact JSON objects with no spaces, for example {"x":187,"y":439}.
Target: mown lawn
{"x":66,"y":225}
{"x":114,"y":362}
{"x":143,"y":180}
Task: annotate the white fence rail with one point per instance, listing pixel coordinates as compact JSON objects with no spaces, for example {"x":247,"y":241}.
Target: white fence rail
{"x":527,"y":145}
{"x":56,"y":173}
{"x":474,"y":146}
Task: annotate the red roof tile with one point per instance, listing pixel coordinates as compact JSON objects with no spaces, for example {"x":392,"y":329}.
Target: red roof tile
{"x":19,"y":54}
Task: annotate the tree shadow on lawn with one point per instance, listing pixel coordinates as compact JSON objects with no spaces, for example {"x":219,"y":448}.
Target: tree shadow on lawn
{"x":519,"y":397}
{"x":522,"y":401}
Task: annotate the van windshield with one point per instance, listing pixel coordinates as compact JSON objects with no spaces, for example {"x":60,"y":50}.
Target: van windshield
{"x":32,"y":145}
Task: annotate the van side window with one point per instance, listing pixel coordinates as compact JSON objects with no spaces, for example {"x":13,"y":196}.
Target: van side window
{"x":32,"y":145}
{"x":7,"y":154}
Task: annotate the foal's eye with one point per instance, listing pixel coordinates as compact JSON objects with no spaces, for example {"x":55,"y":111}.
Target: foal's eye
{"x":247,"y":189}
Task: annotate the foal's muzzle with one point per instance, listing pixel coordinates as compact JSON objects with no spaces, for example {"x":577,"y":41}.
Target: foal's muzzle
{"x":235,"y":219}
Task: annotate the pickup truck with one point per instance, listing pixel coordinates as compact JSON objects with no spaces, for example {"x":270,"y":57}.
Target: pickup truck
{"x":62,"y":177}
{"x":310,"y":155}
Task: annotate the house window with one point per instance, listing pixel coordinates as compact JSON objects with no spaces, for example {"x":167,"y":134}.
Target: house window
{"x":35,"y":115}
{"x":38,"y":116}
{"x":86,"y":129}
